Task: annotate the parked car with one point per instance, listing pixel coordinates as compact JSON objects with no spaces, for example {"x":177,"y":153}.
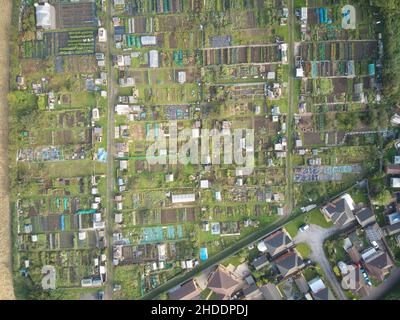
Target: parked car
{"x":304,"y":227}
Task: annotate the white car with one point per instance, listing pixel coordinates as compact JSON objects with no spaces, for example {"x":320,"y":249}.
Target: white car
{"x":304,"y":227}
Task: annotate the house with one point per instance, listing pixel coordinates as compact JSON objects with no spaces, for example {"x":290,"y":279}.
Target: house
{"x":365,"y":216}
{"x":45,"y":16}
{"x":251,"y":292}
{"x":378,"y":264}
{"x":222,"y":282}
{"x":354,"y":281}
{"x":319,"y":290}
{"x":340,"y":211}
{"x":275,"y":243}
{"x":289,"y":263}
{"x":324,"y":294}
{"x":374,"y":232}
{"x":183,"y":198}
{"x":186,"y":291}
{"x":271,"y":292}
{"x":302,"y":284}
{"x":392,"y":229}
{"x":260,"y":262}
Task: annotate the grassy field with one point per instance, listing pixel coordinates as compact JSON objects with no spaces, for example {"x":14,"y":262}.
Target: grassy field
{"x":74,"y":168}
{"x":129,"y":277}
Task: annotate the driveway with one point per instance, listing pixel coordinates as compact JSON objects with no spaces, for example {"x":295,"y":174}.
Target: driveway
{"x":315,"y":236}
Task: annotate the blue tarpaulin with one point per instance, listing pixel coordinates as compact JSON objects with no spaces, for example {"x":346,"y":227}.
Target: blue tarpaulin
{"x":102,"y":155}
{"x":203,"y":254}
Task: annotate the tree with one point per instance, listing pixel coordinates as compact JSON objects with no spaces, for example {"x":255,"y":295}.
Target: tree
{"x":383,"y":198}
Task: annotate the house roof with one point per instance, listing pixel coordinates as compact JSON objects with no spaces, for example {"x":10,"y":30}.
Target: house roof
{"x":380,"y":260}
{"x":353,"y":280}
{"x":271,"y":292}
{"x":354,"y":254}
{"x":260,"y":261}
{"x":302,"y":284}
{"x":186,"y":291}
{"x":374,"y":232}
{"x":289,"y":263}
{"x":393,"y":229}
{"x":276,"y":242}
{"x":364,"y":215}
{"x":323,"y":294}
{"x":378,"y":264}
{"x":340,"y":212}
{"x":250,"y":289}
{"x":221,"y":279}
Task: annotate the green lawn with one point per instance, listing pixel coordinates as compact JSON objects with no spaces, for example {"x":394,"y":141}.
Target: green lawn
{"x":313,"y":217}
{"x":234,"y":260}
{"x":303,"y":249}
{"x":73,"y":168}
{"x":129,"y":279}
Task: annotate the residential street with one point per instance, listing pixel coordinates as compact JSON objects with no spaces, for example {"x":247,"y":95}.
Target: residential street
{"x":315,"y":237}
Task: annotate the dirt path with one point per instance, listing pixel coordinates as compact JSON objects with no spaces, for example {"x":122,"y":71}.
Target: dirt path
{"x":6,"y":284}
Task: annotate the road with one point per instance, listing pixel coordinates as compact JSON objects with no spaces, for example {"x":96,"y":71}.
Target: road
{"x":315,"y":236}
{"x":112,"y":92}
{"x":291,"y":108}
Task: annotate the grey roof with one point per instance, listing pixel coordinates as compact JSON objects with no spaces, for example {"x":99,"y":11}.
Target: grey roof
{"x":342,"y":213}
{"x":289,"y":263}
{"x":323,"y":294}
{"x":271,"y":292}
{"x":250,"y":289}
{"x":373,"y":232}
{"x":260,"y":261}
{"x":221,"y":279}
{"x":364,"y":215}
{"x":277,"y":242}
{"x":302,"y":284}
{"x":188,"y":288}
{"x":380,"y":260}
{"x":393,"y":229}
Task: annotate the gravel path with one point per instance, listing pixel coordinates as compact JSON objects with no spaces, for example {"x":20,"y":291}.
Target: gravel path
{"x":6,"y":284}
